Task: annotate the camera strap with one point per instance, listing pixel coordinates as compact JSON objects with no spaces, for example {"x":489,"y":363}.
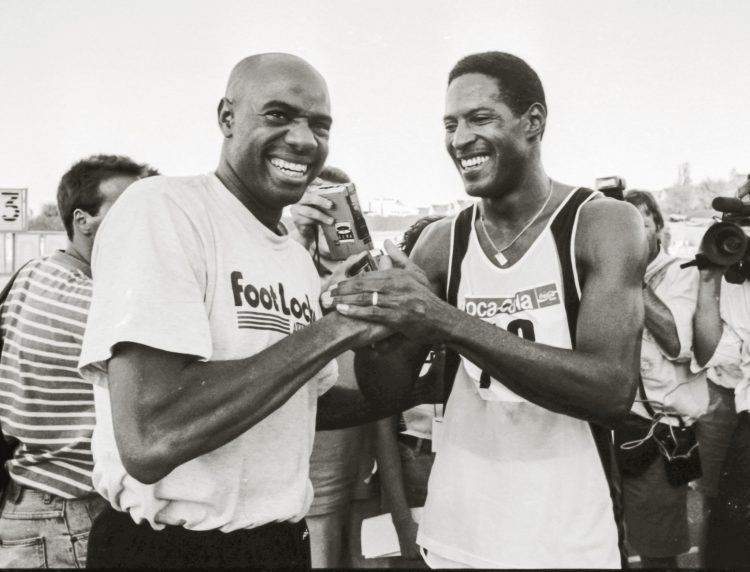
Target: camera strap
{"x":644,"y":399}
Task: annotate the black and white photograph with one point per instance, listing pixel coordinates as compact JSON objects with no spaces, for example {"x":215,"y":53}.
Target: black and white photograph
{"x":346,"y":284}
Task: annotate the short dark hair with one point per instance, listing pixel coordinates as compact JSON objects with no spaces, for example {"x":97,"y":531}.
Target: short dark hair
{"x":645,"y":200}
{"x":519,"y":84}
{"x":79,"y":186}
{"x":414,"y":232}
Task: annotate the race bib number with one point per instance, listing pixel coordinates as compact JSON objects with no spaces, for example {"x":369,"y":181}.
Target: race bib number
{"x":489,"y":388}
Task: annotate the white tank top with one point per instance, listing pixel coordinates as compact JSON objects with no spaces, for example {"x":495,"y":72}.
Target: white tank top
{"x":514,"y":484}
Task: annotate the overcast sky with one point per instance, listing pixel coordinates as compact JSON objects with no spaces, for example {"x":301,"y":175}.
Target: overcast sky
{"x":633,"y":87}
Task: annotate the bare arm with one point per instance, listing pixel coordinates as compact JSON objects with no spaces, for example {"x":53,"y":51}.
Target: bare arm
{"x":660,"y":322}
{"x":707,"y":324}
{"x":596,"y":381}
{"x":155,"y":393}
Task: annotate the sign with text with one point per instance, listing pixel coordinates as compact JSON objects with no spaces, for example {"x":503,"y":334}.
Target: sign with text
{"x":12,"y":209}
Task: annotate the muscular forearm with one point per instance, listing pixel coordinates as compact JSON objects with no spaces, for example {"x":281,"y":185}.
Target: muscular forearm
{"x":707,"y":326}
{"x":587,"y":385}
{"x":660,"y":323}
{"x":342,"y":407}
{"x":594,"y":386}
{"x":210,"y":403}
{"x":595,"y":381}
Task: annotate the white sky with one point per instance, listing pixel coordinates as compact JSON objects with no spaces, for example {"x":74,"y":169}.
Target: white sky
{"x":633,"y":87}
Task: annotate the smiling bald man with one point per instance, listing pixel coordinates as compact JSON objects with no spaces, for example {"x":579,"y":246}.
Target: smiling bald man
{"x":207,"y":345}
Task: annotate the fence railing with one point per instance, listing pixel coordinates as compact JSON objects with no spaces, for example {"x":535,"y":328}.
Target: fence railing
{"x":20,"y":247}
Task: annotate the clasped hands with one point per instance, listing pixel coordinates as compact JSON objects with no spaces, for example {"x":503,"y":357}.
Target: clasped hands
{"x":398,"y":295}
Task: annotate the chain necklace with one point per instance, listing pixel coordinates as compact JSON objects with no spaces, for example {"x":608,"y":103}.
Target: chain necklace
{"x":499,"y":256}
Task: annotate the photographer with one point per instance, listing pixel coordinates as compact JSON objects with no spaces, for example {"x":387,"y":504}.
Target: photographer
{"x":337,"y":453}
{"x":671,"y":397}
{"x":724,"y":434}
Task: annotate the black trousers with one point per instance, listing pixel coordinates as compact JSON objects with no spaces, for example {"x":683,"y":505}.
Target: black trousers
{"x":728,"y":532}
{"x":117,"y":542}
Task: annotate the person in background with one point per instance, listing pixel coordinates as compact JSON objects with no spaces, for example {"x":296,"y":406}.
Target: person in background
{"x":403,"y":444}
{"x":724,"y":431}
{"x":335,"y":459}
{"x":655,"y":509}
{"x":46,"y":407}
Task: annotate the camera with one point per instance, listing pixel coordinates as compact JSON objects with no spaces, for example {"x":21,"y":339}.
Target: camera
{"x":611,"y":187}
{"x":726,"y":243}
{"x":348,"y":234}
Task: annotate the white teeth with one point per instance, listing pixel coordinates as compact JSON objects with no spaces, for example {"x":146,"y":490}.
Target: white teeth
{"x":473,"y":161}
{"x":294,"y":169}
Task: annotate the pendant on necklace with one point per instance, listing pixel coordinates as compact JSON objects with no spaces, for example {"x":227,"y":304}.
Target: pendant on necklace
{"x":501,"y":260}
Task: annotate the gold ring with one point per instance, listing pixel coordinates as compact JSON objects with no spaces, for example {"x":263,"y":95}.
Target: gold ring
{"x":374,"y":299}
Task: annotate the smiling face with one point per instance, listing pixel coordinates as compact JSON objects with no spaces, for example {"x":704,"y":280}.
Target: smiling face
{"x":277,"y":131}
{"x":485,"y":139}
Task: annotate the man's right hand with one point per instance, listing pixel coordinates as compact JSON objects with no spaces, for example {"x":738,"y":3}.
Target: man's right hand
{"x":361,"y":332}
{"x":311,"y":210}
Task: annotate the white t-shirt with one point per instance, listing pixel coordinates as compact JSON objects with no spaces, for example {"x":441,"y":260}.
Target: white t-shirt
{"x":669,"y":382}
{"x":181,"y":265}
{"x":730,"y":362}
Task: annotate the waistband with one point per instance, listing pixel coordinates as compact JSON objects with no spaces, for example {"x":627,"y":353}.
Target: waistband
{"x":26,"y":503}
{"x":15,"y":492}
{"x":415,"y":442}
{"x":123,"y":520}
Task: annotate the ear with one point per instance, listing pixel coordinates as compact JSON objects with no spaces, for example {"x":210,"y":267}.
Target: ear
{"x":225,"y":116}
{"x":536,"y":118}
{"x":82,"y":222}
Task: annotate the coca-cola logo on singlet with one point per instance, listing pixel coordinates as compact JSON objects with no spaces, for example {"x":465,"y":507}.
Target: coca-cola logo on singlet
{"x":531,"y":299}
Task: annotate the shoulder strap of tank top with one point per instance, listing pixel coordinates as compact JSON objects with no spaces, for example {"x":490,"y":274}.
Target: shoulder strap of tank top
{"x":563,"y":230}
{"x":460,"y":232}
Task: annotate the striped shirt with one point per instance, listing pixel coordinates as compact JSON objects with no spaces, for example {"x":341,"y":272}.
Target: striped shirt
{"x":45,"y":405}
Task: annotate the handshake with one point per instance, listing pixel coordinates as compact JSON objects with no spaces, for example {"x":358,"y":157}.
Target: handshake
{"x":385,"y":289}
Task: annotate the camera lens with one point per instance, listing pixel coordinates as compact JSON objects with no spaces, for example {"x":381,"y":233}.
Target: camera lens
{"x":730,"y":244}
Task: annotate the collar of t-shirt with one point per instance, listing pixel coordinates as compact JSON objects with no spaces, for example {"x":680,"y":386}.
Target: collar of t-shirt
{"x":66,"y":259}
{"x":245,"y":215}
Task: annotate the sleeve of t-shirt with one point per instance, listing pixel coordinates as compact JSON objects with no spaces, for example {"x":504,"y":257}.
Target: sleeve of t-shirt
{"x":149,"y":273}
{"x":679,"y":292}
{"x":727,"y":352}
{"x":327,"y":376}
